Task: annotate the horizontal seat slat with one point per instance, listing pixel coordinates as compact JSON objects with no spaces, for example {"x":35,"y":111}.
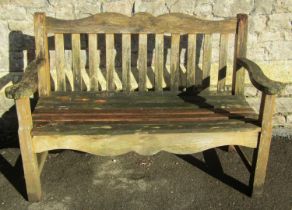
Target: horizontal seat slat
{"x":65,"y":128}
{"x":129,"y":102}
{"x":130,"y":106}
{"x":131,"y":118}
{"x":96,"y":102}
{"x":86,"y":97}
{"x":142,"y":111}
{"x":124,"y":102}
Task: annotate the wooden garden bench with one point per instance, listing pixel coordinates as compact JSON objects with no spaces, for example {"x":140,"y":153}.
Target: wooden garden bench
{"x":177,"y":111}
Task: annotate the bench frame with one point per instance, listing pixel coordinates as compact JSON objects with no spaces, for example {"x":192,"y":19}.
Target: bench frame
{"x":34,"y":150}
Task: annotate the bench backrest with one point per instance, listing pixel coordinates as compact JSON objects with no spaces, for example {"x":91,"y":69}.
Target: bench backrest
{"x":142,"y":25}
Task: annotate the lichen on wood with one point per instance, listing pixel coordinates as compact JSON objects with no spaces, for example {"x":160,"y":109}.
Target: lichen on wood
{"x":29,"y":82}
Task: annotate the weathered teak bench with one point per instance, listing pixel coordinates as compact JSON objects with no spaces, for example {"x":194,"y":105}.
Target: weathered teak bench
{"x":177,"y":112}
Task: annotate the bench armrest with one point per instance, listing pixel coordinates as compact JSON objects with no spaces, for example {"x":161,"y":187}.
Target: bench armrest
{"x":259,"y":79}
{"x":29,"y":82}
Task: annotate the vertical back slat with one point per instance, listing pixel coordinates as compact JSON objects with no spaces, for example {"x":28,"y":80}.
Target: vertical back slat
{"x":93,"y":65}
{"x":110,"y":61}
{"x":222,"y":62}
{"x":239,"y":51}
{"x":76,"y":64}
{"x":159,"y":61}
{"x":191,"y":63}
{"x":174,"y":62}
{"x":142,"y":62}
{"x":42,"y":51}
{"x":126,"y":61}
{"x":207,"y":56}
{"x":60,"y":62}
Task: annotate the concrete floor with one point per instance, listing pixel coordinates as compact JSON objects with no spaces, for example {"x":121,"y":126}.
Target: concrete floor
{"x":214,"y":179}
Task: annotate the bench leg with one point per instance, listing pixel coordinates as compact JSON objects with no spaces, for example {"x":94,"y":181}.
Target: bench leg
{"x":231,"y":148}
{"x":266,"y":114}
{"x":29,"y":158}
{"x":41,"y":157}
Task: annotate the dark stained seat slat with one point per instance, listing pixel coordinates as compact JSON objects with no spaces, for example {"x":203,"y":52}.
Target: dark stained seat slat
{"x":96,"y":101}
{"x":140,"y":111}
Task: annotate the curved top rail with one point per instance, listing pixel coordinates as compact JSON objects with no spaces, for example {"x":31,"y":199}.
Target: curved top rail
{"x":140,"y":23}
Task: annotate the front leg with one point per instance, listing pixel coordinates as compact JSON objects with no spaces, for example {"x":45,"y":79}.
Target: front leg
{"x":263,"y":150}
{"x":29,"y":157}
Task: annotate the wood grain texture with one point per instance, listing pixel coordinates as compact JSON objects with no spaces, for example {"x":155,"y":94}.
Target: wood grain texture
{"x":126,"y":61}
{"x":93,"y":61}
{"x":159,"y":61}
{"x":142,"y":62}
{"x":62,"y":128}
{"x":207,"y":56}
{"x":145,"y":144}
{"x":76,"y":62}
{"x":95,"y":107}
{"x":151,"y":99}
{"x":28,"y":155}
{"x":259,"y":79}
{"x":240,"y":49}
{"x":136,"y":100}
{"x":191,"y":61}
{"x":125,"y":118}
{"x":29,"y":81}
{"x":222,"y":62}
{"x":140,"y":23}
{"x":42,"y":52}
{"x":263,"y":150}
{"x":41,"y":157}
{"x":110,"y":61}
{"x":133,"y":112}
{"x":174,"y":62}
{"x":60,"y":62}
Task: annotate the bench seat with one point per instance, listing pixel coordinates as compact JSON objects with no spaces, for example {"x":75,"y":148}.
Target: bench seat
{"x":117,"y":123}
{"x":97,"y":113}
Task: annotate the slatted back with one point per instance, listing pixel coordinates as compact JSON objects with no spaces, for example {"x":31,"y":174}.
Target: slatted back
{"x":112,"y":77}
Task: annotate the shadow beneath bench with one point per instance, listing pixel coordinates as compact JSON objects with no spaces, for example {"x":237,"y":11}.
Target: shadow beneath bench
{"x":212,"y":166}
{"x":14,"y":174}
{"x":9,"y":140}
